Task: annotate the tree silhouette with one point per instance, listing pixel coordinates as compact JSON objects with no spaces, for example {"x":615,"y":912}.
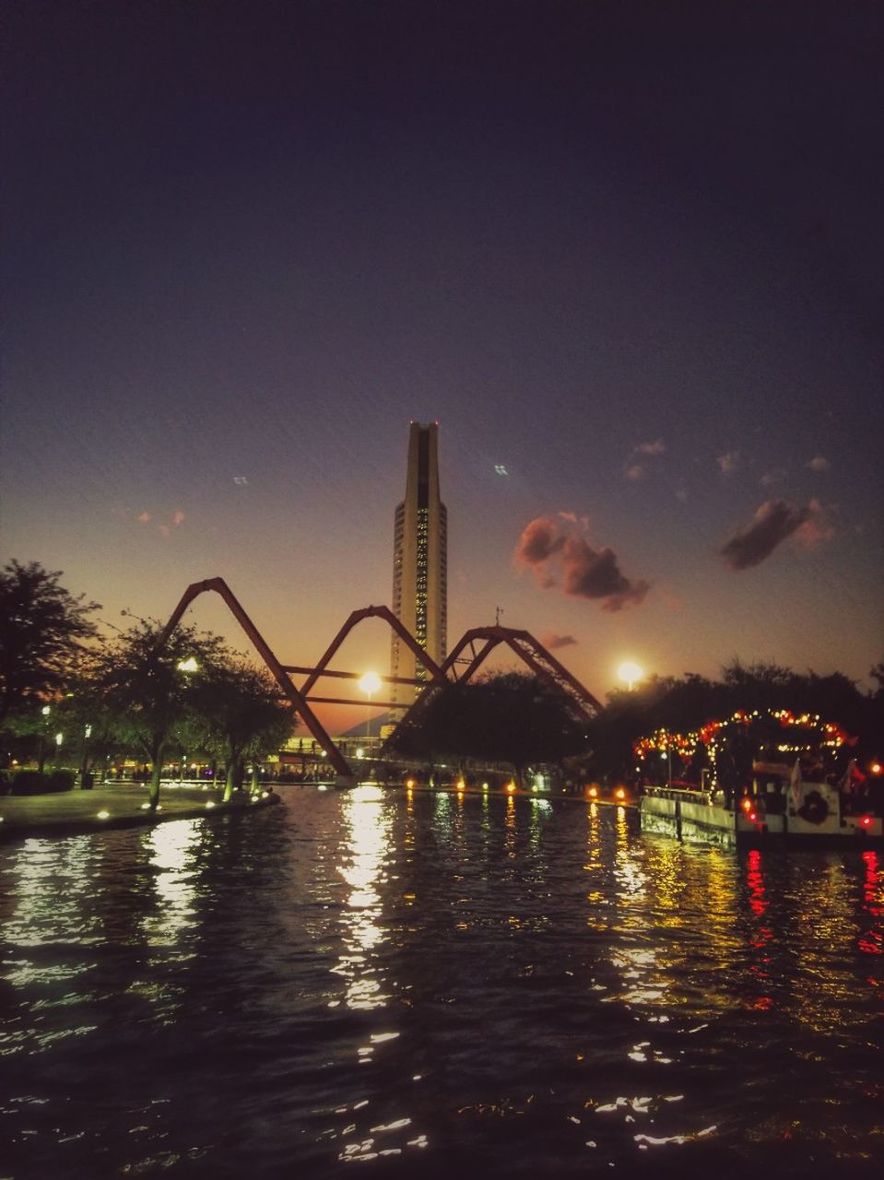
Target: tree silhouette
{"x":511,"y":718}
{"x":141,"y":684}
{"x":42,"y":629}
{"x":235,"y":712}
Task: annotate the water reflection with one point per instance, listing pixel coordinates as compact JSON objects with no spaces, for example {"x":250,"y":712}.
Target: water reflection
{"x":400,"y":974}
{"x":363,"y":868}
{"x":171,"y":848}
{"x":46,"y":886}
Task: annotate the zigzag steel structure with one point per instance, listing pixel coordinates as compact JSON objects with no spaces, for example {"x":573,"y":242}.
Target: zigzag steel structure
{"x":472,"y":650}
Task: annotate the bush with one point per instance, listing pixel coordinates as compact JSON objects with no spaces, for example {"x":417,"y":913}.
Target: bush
{"x":61,"y":780}
{"x":32,"y":782}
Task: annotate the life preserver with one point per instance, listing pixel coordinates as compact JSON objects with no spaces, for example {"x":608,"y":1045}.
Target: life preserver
{"x":814,"y":809}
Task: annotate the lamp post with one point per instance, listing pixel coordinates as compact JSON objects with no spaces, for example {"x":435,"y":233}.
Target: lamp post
{"x":630,"y":672}
{"x":369,"y":684}
{"x":46,"y":710}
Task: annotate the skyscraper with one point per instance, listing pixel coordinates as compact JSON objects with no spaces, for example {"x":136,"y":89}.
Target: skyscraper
{"x":420,"y":575}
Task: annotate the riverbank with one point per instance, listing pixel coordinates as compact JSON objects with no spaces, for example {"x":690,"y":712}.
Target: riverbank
{"x":120,"y":805}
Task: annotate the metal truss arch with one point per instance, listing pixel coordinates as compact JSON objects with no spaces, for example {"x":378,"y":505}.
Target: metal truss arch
{"x":478,"y":643}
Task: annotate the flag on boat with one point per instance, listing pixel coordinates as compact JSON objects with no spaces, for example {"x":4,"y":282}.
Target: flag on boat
{"x":795,"y":785}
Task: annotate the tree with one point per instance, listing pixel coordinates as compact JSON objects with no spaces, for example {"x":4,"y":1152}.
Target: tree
{"x":236,"y":713}
{"x":42,"y":629}
{"x":142,"y":684}
{"x":511,"y":718}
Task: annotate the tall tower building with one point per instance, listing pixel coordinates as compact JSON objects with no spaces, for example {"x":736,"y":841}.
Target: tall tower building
{"x":420,"y":556}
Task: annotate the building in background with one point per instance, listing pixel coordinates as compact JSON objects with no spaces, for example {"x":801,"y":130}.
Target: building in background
{"x":420,"y":592}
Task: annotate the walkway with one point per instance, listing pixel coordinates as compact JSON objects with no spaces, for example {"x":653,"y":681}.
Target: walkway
{"x":120,"y":805}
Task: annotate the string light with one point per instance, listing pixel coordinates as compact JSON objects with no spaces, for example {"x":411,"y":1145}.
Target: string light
{"x":714,"y":735}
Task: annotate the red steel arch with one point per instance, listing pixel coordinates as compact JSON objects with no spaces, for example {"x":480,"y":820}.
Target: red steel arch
{"x":477,"y":643}
{"x":532,"y":653}
{"x":297,"y":699}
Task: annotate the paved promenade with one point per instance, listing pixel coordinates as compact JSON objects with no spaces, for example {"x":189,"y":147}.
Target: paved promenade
{"x":120,"y":805}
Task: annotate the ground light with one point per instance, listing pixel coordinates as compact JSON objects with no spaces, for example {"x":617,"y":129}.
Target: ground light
{"x":629,"y":672}
{"x":369,"y":683}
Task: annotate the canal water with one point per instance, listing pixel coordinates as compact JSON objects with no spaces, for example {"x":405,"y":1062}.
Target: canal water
{"x":417,"y":986}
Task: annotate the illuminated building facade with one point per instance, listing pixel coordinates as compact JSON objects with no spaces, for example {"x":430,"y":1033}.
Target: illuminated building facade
{"x":420,"y":589}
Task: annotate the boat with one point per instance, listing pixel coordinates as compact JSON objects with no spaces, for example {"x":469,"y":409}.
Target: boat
{"x":805,"y":803}
{"x":811,"y":813}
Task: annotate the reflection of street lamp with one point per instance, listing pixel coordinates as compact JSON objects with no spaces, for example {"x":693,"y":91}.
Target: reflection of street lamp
{"x":369,"y":684}
{"x":630,"y":672}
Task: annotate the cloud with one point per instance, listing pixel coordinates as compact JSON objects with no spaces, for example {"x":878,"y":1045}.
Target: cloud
{"x":540,"y":539}
{"x":555,"y":550}
{"x":164,"y":527}
{"x":774,"y":521}
{"x":657,"y":447}
{"x":729,"y":462}
{"x":817,"y":528}
{"x":819,"y":463}
{"x":551,"y":642}
{"x":636,"y":471}
{"x":776,"y":475}
{"x":591,"y":573}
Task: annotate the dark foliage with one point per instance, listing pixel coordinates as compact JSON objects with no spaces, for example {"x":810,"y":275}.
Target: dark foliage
{"x":689,"y":702}
{"x":42,"y":627}
{"x":510,"y":718}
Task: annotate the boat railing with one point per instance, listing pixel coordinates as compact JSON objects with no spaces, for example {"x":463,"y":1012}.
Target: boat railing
{"x":683,"y":792}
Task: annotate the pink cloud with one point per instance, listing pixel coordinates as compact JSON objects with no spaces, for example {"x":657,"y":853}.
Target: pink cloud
{"x":556,"y":550}
{"x":774,"y":521}
{"x":551,"y":642}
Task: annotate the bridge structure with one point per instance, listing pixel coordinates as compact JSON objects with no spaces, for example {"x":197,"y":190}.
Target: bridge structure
{"x":462,"y":663}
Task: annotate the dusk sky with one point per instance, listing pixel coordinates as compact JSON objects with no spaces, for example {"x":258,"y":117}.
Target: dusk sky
{"x":630,"y":256}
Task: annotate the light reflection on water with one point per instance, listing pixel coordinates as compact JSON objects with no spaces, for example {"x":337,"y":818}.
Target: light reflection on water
{"x":362,"y":866}
{"x":511,"y":986}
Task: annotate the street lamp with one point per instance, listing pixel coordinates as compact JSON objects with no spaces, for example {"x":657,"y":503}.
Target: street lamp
{"x":369,"y":684}
{"x":44,"y":733}
{"x":630,"y":672}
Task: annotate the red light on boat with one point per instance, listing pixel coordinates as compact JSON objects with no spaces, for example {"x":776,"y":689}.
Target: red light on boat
{"x":866,"y":821}
{"x":753,"y":816}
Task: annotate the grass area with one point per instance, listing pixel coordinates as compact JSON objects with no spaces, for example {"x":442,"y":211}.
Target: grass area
{"x":120,"y":805}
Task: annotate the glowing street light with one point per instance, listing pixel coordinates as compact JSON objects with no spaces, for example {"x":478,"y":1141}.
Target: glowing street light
{"x":188,"y":665}
{"x":629,"y":671}
{"x":369,"y":684}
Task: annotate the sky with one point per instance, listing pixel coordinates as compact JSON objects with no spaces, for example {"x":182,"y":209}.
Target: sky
{"x":630,"y":256}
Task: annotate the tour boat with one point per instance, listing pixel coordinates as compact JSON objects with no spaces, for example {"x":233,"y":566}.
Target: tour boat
{"x":779,"y":807}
